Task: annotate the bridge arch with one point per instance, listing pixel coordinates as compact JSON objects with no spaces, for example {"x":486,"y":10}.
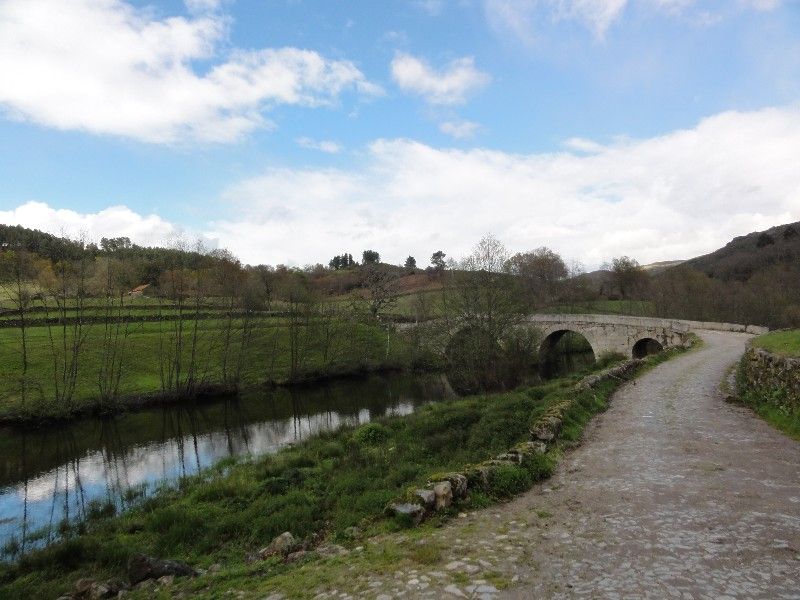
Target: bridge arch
{"x":552,"y":338}
{"x":646,"y":346}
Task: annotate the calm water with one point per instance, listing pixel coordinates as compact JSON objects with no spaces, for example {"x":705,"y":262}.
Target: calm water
{"x":54,"y":474}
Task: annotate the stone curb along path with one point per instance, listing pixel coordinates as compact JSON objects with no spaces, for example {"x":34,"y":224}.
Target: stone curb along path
{"x":673,"y":494}
{"x":444,"y":489}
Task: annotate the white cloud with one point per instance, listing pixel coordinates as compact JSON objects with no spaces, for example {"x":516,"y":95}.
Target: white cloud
{"x":764,"y":5}
{"x":460,"y":129}
{"x":431,"y":7}
{"x":115,"y":221}
{"x":451,"y":85}
{"x":674,"y":196}
{"x":198,"y":6}
{"x":103,"y":66}
{"x":327,"y":146}
{"x":668,"y":197}
{"x":523,"y":18}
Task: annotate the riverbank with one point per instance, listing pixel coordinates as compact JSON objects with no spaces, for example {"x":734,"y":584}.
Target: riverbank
{"x":275,"y":353}
{"x":319,"y":490}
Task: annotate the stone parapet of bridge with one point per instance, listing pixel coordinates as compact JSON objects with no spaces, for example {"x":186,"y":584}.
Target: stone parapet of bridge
{"x":625,"y":335}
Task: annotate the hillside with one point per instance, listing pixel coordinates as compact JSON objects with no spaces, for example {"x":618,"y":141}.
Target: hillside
{"x":743,"y":256}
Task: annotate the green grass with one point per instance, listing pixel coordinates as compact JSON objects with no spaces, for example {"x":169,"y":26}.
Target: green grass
{"x":353,"y":347}
{"x":637,"y":308}
{"x":324,"y":485}
{"x":784,"y":343}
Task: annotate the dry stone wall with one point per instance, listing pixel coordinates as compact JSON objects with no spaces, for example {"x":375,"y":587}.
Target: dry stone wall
{"x":770,"y":378}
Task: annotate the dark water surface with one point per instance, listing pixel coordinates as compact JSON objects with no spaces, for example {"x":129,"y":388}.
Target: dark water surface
{"x":58,"y":473}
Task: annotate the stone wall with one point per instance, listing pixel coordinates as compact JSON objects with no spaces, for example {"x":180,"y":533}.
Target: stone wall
{"x":769,"y":378}
{"x":444,"y":489}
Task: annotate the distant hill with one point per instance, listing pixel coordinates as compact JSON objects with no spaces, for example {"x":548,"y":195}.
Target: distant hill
{"x":658,"y":267}
{"x":743,"y":256}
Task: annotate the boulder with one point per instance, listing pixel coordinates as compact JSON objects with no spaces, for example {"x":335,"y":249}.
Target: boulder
{"x":458,"y":483}
{"x":478,"y":476}
{"x":414,"y":512}
{"x":444,"y":494}
{"x":331,"y":550}
{"x":530,"y":448}
{"x":426,"y":497}
{"x":280,"y":546}
{"x":142,"y":568}
{"x":296,"y":556}
{"x":511,"y":456}
{"x":546,"y":429}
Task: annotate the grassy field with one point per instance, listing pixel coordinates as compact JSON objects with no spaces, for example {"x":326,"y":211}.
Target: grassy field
{"x":785,"y":343}
{"x":637,"y":308}
{"x":321,"y":487}
{"x":322,"y":349}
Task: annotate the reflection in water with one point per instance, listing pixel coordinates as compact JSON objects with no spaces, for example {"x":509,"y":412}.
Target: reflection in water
{"x":49,"y":477}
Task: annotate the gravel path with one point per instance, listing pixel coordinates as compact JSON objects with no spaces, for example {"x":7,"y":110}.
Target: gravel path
{"x":674,"y":494}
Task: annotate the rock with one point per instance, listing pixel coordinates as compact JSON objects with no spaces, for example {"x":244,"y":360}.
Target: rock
{"x":478,"y":477}
{"x":280,"y":546}
{"x":331,"y":550}
{"x":100,"y":591}
{"x":455,"y":591}
{"x":546,"y":429}
{"x":458,"y":483}
{"x":511,"y":456}
{"x":531,"y":448}
{"x":296,"y":556}
{"x":83,"y":586}
{"x":142,"y":568}
{"x":427,"y":497}
{"x":166,"y":580}
{"x":214,"y":569}
{"x":444,"y":494}
{"x":412,"y":511}
{"x":352,"y":532}
{"x":89,"y":589}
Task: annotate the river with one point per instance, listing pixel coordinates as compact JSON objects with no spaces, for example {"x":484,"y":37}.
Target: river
{"x":58,"y":474}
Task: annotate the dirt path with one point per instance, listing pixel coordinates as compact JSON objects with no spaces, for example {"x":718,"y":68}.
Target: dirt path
{"x":674,"y":494}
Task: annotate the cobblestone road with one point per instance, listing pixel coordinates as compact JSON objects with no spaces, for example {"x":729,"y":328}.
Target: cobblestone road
{"x":674,"y":494}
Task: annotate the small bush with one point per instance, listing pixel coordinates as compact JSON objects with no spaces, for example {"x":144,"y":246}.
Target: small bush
{"x":97,"y":509}
{"x":508,"y":481}
{"x":606,"y":359}
{"x":371,"y":434}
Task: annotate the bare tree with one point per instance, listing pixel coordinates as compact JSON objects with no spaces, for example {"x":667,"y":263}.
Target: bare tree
{"x":541,"y":273}
{"x":66,"y":295}
{"x":17,"y":271}
{"x":113,"y":280}
{"x":380,"y":287}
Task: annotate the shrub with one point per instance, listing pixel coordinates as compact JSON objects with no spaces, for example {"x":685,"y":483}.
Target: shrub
{"x":371,"y":434}
{"x":508,"y":481}
{"x":97,"y":509}
{"x":606,"y":359}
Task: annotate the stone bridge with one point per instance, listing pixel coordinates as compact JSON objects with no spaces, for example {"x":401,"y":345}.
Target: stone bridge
{"x":629,"y":336}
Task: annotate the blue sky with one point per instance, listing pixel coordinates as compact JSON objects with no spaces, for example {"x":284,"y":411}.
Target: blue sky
{"x":291,"y":130}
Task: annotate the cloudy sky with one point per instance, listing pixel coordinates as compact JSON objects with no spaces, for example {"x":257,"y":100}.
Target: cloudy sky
{"x":292,"y":130}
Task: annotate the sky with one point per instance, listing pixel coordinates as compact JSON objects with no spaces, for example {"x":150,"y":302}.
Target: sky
{"x":289,"y":131}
